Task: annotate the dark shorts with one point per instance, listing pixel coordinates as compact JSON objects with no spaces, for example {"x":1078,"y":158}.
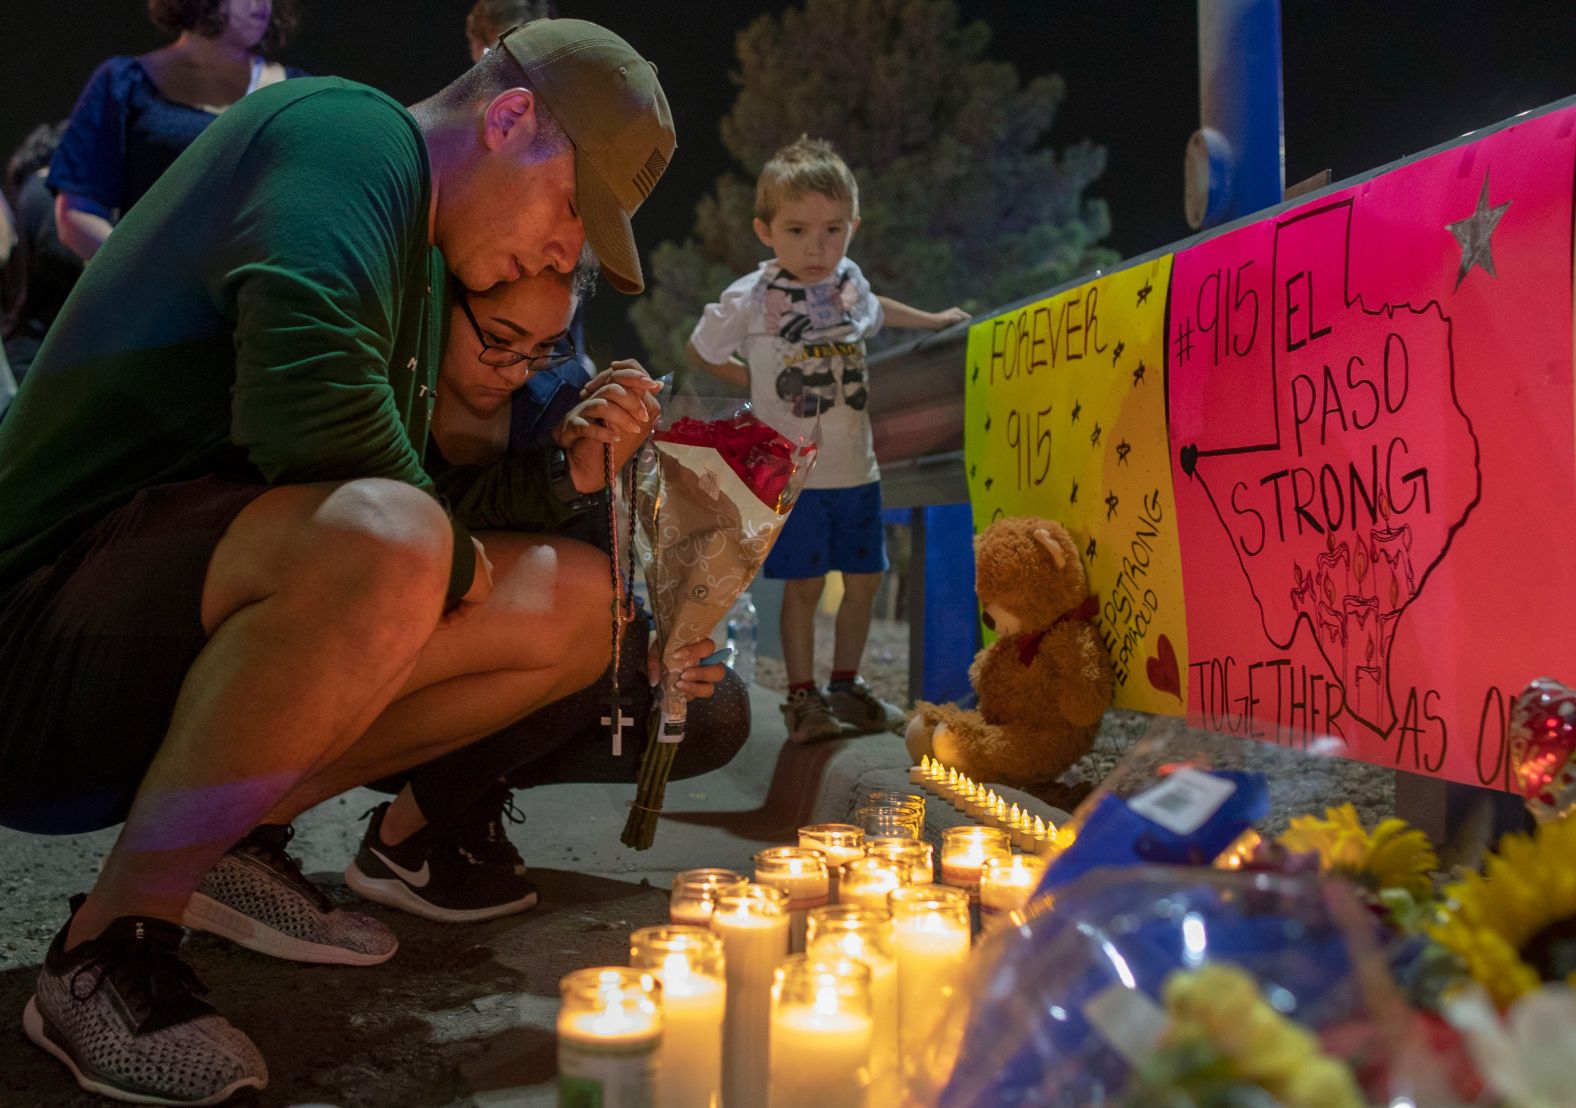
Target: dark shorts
{"x":831,"y":529}
{"x":94,"y":650}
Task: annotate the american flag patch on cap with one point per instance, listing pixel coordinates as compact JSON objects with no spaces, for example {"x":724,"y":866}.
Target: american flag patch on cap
{"x":650,"y":173}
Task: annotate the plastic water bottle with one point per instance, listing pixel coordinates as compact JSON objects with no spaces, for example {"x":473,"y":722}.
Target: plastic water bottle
{"x":742,"y":625}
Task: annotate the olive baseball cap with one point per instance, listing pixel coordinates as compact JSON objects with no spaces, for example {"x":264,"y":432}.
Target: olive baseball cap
{"x":608,"y":101}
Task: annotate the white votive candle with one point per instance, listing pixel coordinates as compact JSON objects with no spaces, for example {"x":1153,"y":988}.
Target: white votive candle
{"x":687,"y":962}
{"x":609,"y":1030}
{"x":802,"y":875}
{"x":753,"y":924}
{"x":839,"y":842}
{"x":963,"y":852}
{"x":1007,"y":883}
{"x":865,"y":935}
{"x":695,"y":893}
{"x":930,"y":927}
{"x":867,"y":881}
{"x":916,"y":854}
{"x":821,"y":1034}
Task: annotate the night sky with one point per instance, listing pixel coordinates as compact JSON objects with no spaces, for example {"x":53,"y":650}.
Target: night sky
{"x":1366,"y":82}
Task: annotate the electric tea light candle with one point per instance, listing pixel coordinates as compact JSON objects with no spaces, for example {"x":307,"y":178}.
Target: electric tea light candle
{"x":867,"y":881}
{"x":802,"y":875}
{"x":695,"y":893}
{"x":687,"y":963}
{"x":865,"y":935}
{"x":609,"y":1029}
{"x":821,"y":1034}
{"x":1007,"y":883}
{"x":930,"y":927}
{"x":753,"y":925}
{"x":965,"y":849}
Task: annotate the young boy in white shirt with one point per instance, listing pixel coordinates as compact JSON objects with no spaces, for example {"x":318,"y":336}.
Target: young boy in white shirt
{"x":799,"y":323}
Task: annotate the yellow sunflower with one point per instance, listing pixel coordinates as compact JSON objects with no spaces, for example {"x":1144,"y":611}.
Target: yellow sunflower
{"x":1510,"y":922}
{"x":1394,"y":855}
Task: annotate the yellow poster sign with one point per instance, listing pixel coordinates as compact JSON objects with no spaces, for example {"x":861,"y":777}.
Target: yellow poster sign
{"x":1066,"y":419}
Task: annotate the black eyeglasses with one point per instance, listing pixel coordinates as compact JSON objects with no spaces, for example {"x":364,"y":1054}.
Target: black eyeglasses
{"x":562,"y":353}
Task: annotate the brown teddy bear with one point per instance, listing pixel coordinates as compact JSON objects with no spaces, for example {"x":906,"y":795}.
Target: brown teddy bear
{"x":1045,"y":683}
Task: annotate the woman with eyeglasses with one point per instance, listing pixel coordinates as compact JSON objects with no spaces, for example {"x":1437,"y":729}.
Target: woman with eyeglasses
{"x":483,"y":455}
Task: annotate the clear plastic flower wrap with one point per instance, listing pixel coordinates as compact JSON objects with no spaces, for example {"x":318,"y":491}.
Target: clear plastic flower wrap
{"x":1178,"y":986}
{"x":1301,"y":778}
{"x":713,"y":487}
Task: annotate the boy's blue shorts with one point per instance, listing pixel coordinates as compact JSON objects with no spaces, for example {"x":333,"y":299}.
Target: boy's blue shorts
{"x":831,"y":529}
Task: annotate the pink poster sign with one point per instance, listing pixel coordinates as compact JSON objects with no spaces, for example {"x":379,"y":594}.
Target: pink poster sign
{"x":1372,"y":434}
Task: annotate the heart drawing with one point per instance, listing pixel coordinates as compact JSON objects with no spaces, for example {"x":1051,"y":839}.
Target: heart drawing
{"x":1162,"y":669}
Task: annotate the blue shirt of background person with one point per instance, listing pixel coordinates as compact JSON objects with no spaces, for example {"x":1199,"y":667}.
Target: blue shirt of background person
{"x":136,"y":115}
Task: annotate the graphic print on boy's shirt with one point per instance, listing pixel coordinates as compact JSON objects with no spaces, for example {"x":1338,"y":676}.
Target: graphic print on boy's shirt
{"x":821,"y":331}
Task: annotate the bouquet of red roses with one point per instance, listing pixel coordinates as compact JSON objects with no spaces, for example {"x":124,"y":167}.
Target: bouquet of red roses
{"x":712,"y":489}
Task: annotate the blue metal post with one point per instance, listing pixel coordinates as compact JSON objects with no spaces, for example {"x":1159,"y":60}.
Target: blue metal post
{"x":944,"y":630}
{"x":1236,"y":160}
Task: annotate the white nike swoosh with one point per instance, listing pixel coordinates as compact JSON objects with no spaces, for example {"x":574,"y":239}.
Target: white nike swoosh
{"x":415,"y":878}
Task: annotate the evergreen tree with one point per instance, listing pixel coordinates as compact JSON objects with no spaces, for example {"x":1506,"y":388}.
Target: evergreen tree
{"x":962,"y":200}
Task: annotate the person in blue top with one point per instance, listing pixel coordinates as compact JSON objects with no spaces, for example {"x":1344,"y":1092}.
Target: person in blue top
{"x":137,"y":114}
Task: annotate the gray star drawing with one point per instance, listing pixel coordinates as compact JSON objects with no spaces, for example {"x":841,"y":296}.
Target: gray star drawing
{"x":1473,"y":233}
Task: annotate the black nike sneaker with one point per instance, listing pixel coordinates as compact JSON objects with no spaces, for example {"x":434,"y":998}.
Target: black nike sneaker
{"x":432,"y":875}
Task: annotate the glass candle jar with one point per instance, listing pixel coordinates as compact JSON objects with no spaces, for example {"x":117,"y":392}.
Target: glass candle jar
{"x":802,"y":875}
{"x":839,"y":842}
{"x":609,"y":1030}
{"x":687,"y":963}
{"x":753,"y":925}
{"x":931,"y":936}
{"x":695,"y":893}
{"x":963,"y":852}
{"x":892,"y":798}
{"x":865,"y":935}
{"x":889,"y":823}
{"x":1007,"y":883}
{"x":867,"y":881}
{"x":917,"y":854}
{"x":821,"y":1034}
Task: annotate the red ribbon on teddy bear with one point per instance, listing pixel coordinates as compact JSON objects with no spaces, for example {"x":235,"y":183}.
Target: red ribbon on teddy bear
{"x":1029,"y":643}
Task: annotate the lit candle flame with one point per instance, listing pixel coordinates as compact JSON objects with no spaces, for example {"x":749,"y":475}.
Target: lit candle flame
{"x":826,"y":1001}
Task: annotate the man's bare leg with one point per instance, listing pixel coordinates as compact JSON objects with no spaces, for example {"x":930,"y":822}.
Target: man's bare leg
{"x":319,"y":601}
{"x":541,"y":635}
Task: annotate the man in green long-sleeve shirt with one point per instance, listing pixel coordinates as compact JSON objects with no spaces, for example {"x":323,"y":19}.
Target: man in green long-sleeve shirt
{"x":227,"y":592}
